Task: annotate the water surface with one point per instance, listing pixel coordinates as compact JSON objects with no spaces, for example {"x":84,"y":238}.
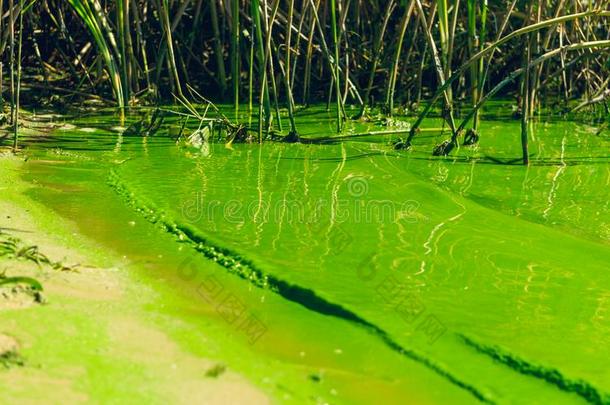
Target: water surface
{"x":462,"y":278}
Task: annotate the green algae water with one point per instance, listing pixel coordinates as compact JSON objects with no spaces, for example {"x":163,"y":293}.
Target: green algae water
{"x":348,"y":272}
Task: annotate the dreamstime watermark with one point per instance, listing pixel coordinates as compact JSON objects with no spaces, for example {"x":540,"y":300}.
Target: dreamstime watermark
{"x":297,"y":211}
{"x":323,"y":218}
{"x":406,"y":304}
{"x":357,"y":186}
{"x":230,"y":307}
{"x":356,"y":207}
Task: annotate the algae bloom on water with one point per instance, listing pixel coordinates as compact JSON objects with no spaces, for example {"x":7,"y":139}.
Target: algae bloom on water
{"x":304,"y":201}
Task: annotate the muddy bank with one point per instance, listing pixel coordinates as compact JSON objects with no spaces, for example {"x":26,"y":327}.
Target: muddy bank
{"x":90,"y":334}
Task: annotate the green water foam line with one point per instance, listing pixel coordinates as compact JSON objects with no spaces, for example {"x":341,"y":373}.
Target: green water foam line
{"x":553,"y":376}
{"x":246,"y":269}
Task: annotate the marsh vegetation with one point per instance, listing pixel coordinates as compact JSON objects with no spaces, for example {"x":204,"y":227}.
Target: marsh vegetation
{"x":273,"y":58}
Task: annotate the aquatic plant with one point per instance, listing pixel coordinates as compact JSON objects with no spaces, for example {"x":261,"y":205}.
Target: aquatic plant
{"x":14,"y":248}
{"x":33,"y":284}
{"x":11,"y":358}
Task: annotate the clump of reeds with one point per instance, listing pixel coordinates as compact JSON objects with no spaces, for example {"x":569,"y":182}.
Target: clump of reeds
{"x":398,"y":56}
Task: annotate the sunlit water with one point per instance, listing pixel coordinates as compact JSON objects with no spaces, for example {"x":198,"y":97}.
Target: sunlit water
{"x":490,"y":272}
